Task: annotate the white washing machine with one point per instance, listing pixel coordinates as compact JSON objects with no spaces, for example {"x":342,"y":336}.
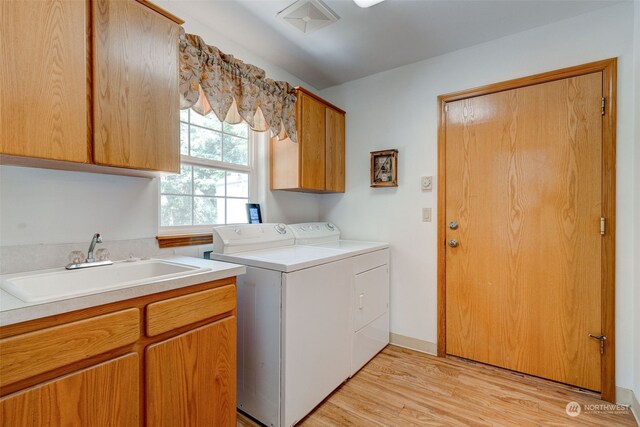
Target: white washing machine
{"x":369,"y":298}
{"x":294,"y":320}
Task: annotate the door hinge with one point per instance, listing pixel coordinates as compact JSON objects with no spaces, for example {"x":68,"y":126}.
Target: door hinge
{"x":602,"y":340}
{"x":446,"y":108}
{"x":602,"y":105}
{"x":602,"y":225}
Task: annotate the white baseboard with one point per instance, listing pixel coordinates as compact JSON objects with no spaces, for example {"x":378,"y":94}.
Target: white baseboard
{"x":413,"y":344}
{"x":628,"y":398}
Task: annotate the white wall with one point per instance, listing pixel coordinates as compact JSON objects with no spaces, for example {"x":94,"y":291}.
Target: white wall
{"x":398,"y":109}
{"x":40,"y":206}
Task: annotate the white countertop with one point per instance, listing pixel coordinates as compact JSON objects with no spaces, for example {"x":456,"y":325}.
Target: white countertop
{"x":14,"y":310}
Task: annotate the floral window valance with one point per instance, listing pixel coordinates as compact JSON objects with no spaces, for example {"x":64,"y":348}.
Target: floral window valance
{"x":213,"y":81}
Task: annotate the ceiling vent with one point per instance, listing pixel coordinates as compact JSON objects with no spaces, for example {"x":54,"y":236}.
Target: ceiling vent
{"x":308,"y":15}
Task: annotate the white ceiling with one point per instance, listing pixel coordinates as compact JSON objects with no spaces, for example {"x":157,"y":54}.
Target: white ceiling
{"x":385,"y":36}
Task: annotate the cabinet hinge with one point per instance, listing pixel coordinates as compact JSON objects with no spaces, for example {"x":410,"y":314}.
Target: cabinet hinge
{"x":602,"y":225}
{"x":602,"y":105}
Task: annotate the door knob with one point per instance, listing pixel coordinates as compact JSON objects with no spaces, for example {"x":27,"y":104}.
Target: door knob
{"x":453,"y":243}
{"x":453,"y":225}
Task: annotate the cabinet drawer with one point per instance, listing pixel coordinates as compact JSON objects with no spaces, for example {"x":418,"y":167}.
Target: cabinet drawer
{"x":173,"y":313}
{"x":27,"y":355}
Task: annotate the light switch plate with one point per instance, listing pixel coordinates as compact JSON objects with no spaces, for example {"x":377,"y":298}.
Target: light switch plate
{"x":426,"y":214}
{"x":426,"y":183}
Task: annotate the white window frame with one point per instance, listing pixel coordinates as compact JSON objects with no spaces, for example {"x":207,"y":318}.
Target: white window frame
{"x":250,"y":170}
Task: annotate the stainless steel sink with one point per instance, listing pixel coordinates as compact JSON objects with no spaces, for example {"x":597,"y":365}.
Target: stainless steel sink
{"x":60,"y":284}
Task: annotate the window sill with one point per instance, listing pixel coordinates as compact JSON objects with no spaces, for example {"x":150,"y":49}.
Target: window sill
{"x":184,"y":240}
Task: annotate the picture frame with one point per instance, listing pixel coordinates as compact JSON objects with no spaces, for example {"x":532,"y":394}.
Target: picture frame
{"x":384,"y":168}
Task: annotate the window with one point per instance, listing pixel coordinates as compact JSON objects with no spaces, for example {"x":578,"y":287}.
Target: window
{"x":213,"y":185}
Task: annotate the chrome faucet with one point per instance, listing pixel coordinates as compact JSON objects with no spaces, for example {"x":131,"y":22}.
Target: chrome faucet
{"x":90,"y":261}
{"x":96,"y":239}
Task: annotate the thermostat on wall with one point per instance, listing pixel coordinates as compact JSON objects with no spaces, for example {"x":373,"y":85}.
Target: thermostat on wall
{"x":426,"y":183}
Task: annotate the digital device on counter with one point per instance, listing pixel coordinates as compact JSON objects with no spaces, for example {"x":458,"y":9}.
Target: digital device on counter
{"x":253,"y":213}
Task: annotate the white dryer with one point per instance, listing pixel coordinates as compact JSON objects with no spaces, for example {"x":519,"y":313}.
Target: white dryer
{"x":294,"y":321}
{"x":369,"y":299}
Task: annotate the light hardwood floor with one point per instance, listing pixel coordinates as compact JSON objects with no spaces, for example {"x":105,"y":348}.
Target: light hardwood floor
{"x":401,"y":387}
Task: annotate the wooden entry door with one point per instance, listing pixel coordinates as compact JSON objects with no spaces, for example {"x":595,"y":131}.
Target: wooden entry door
{"x":524,"y":258}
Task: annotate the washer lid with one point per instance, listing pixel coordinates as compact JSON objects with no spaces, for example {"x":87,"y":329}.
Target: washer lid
{"x":309,"y":233}
{"x":229,"y":239}
{"x":285,"y":259}
{"x":353,"y":247}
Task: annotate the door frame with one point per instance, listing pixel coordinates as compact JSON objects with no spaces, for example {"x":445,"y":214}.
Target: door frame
{"x":608,"y":67}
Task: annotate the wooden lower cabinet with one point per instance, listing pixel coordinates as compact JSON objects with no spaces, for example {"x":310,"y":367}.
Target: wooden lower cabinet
{"x":103,"y":395}
{"x":97,"y":367}
{"x":191,"y":378}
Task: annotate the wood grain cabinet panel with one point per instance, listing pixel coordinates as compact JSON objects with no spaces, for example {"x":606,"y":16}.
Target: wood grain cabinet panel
{"x":103,"y":395}
{"x":26,"y":355}
{"x":136,"y":93}
{"x":43,"y":79}
{"x":191,"y":379}
{"x":61,"y":110}
{"x":284,"y":164}
{"x":316,"y":163}
{"x":88,"y":368}
{"x":312,"y":143}
{"x":164,"y":316}
{"x":335,"y":151}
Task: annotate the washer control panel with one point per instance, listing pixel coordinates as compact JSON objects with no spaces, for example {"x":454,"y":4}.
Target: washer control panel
{"x":315,"y":232}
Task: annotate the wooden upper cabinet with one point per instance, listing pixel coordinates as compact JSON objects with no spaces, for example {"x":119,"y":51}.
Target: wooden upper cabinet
{"x":312,"y":135}
{"x":119,"y":108}
{"x":136,"y":93}
{"x":335,"y":151}
{"x":44,"y":109}
{"x":317,"y":162}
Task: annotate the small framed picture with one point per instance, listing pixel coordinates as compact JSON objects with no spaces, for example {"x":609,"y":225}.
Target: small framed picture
{"x":384,"y":168}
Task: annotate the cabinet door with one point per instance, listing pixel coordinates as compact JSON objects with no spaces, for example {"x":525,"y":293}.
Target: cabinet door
{"x":103,"y":395}
{"x":312,"y":143}
{"x":284,"y":168}
{"x":136,"y":94}
{"x":191,"y":379}
{"x":334,"y":180}
{"x":43,"y":79}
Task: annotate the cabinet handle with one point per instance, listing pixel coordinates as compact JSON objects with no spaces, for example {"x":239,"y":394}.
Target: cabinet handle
{"x":361,"y":301}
